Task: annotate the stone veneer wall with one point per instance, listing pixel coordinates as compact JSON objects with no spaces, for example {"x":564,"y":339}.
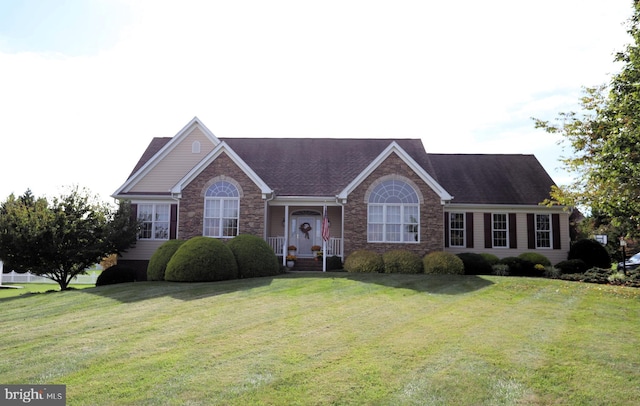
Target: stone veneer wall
{"x":431,"y":214}
{"x":192,"y":203}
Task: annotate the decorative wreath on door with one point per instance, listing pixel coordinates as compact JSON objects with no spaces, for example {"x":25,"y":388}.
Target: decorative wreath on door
{"x":305,"y":228}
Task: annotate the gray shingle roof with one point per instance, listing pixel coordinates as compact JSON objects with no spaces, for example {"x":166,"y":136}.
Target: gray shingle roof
{"x":313,"y":167}
{"x":492,"y":178}
{"x":325,"y":166}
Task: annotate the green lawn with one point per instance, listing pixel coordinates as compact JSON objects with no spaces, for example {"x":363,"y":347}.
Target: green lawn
{"x":332,"y":338}
{"x":20,"y":289}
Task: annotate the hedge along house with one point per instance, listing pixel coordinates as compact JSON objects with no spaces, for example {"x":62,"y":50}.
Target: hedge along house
{"x":380,"y":194}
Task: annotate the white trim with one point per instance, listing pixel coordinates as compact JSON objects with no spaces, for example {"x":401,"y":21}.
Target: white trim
{"x":153,"y":221}
{"x":511,"y":208}
{"x":221,"y":148}
{"x":535,"y":230}
{"x":464,"y":228}
{"x":505,"y":230}
{"x":162,"y":153}
{"x":385,"y":223}
{"x":406,"y":158}
{"x":148,"y":198}
{"x":304,"y":201}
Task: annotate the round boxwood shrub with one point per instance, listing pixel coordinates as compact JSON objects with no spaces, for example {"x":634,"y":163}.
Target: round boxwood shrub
{"x":591,"y":252}
{"x":202,"y":259}
{"x":475,"y":264}
{"x":364,"y":261}
{"x":440,"y":262}
{"x":572,"y":266}
{"x":401,"y":261}
{"x":520,"y":267}
{"x":116,"y":274}
{"x":160,"y":259}
{"x":490,"y":258}
{"x":254,"y":256}
{"x":535,"y":258}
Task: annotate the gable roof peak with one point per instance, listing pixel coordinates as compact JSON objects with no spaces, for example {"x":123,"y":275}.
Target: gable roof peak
{"x":395,"y":148}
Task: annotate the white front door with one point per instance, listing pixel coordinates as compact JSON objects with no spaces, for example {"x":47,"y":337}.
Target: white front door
{"x":305,"y":232}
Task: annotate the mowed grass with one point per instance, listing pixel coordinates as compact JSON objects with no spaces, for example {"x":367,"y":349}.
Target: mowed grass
{"x":335,"y":338}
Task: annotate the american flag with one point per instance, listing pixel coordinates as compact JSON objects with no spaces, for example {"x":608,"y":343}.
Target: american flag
{"x":325,"y":226}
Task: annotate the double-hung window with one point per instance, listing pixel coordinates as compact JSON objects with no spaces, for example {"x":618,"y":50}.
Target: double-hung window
{"x":456,"y":229}
{"x":393,"y":213}
{"x":500,"y":230}
{"x":543,"y":231}
{"x":154,"y":220}
{"x":221,"y":210}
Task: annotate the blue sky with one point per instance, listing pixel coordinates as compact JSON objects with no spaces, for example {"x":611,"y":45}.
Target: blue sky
{"x":69,"y":27}
{"x":86,"y":84}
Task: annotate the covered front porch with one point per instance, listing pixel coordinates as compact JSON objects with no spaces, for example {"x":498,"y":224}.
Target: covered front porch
{"x":300,"y":225}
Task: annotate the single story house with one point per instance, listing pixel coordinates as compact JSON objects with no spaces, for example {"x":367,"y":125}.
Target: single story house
{"x":379,"y":194}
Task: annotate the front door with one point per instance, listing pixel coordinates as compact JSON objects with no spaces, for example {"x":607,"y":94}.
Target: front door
{"x":305,"y":232}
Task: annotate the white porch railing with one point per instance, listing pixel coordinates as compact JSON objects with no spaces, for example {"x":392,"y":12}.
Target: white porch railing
{"x":28,"y":277}
{"x":277,"y":244}
{"x":334,"y":246}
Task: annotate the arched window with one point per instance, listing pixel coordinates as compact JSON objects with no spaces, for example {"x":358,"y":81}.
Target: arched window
{"x":221,"y":210}
{"x":393,"y":213}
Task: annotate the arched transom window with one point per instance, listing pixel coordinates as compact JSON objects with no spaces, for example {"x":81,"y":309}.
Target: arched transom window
{"x":221,"y":210}
{"x":393,"y":213}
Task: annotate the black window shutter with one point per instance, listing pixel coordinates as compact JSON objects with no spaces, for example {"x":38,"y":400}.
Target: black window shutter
{"x":488,"y":240}
{"x":513,"y":238}
{"x":531,"y":231}
{"x":134,"y":213}
{"x":173,"y":222}
{"x":469,"y":229}
{"x":446,"y":229}
{"x":555,"y":220}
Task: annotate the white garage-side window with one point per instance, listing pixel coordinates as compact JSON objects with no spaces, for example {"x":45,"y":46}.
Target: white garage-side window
{"x":154,"y":221}
{"x":393,"y":213}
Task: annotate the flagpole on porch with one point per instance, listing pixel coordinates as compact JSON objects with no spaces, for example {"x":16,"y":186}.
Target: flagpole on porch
{"x":325,"y":238}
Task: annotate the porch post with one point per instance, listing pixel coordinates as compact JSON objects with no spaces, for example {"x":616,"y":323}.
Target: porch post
{"x":324,"y":241}
{"x":286,"y":236}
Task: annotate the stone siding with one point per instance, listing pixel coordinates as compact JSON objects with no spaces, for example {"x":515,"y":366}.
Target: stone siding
{"x":191,"y":213}
{"x":431,"y":213}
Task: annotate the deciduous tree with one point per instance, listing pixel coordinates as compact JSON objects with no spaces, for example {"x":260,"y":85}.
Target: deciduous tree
{"x":61,"y":239}
{"x":605,"y":141}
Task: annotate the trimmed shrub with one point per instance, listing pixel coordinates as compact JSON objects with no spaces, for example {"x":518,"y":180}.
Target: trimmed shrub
{"x":401,"y":261}
{"x":520,"y":267}
{"x":633,"y":278}
{"x":364,"y":261}
{"x":334,"y":263}
{"x":593,"y":275}
{"x":552,"y":272}
{"x":572,"y":266}
{"x":535,"y":258}
{"x":591,"y":252}
{"x":500,"y":269}
{"x":490,"y":258}
{"x":116,"y":274}
{"x":254,"y":256}
{"x":475,"y":264}
{"x":439,"y":262}
{"x":202,"y":259}
{"x":159,"y":260}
